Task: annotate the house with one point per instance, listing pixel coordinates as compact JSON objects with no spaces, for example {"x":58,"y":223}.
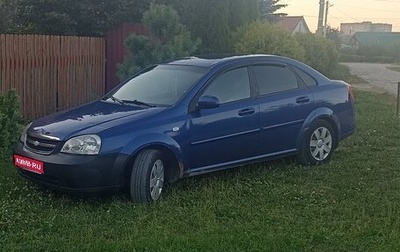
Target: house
{"x":294,"y":24}
{"x":352,"y":28}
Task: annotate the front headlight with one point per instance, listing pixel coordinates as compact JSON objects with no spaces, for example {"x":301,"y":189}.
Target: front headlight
{"x":23,"y":133}
{"x":83,"y":145}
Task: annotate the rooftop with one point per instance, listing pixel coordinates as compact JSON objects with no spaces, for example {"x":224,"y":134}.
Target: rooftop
{"x":290,"y":23}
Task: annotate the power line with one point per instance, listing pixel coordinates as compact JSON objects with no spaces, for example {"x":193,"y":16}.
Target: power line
{"x":299,"y":6}
{"x":345,"y":14}
{"x":361,"y":8}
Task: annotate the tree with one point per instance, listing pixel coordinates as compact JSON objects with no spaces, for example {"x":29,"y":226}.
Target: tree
{"x":168,"y":38}
{"x":265,"y":38}
{"x":333,"y":35}
{"x":211,"y":20}
{"x":214,"y":20}
{"x":9,"y":10}
{"x":268,"y":10}
{"x":68,"y":17}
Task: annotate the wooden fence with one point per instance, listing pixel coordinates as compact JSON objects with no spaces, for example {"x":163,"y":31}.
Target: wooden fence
{"x":116,"y":50}
{"x":51,"y":73}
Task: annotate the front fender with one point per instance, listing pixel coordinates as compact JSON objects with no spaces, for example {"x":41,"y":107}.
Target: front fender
{"x":320,"y":113}
{"x":153,"y":139}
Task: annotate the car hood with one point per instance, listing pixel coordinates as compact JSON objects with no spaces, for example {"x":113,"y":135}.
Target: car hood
{"x":97,"y":115}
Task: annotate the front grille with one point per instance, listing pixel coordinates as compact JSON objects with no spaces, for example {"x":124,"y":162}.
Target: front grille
{"x":41,"y":144}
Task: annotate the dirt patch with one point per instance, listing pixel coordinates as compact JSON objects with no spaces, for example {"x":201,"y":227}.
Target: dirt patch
{"x":377,"y":77}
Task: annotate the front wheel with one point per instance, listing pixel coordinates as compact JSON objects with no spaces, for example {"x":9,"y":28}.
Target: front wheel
{"x":147,"y":177}
{"x":318,"y":144}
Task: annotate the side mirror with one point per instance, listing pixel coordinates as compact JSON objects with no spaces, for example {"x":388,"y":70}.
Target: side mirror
{"x":207,"y":102}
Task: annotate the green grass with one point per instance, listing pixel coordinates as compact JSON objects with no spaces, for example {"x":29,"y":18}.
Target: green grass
{"x":350,"y":204}
{"x":343,"y":72}
{"x":394,"y":68}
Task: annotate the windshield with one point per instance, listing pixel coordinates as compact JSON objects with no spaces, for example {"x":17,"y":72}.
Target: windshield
{"x":163,"y":85}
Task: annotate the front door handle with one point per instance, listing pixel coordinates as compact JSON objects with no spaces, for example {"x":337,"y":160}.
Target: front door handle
{"x":303,"y":99}
{"x":246,"y":111}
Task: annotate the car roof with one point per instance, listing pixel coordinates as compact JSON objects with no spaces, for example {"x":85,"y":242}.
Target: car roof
{"x":218,"y":60}
{"x":212,"y":60}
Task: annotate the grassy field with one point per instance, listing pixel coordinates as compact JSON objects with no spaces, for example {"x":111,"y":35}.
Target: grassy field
{"x":350,"y":204}
{"x":394,"y":68}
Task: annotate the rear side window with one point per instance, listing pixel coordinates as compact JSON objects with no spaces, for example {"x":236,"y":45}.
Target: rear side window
{"x":274,"y":78}
{"x":305,"y":77}
{"x":230,"y":86}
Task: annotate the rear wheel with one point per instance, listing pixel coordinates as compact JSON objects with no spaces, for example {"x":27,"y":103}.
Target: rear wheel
{"x":318,"y":143}
{"x":148,"y":175}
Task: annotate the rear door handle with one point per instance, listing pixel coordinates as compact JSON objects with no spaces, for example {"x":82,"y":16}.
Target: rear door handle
{"x":247,"y":111}
{"x":303,"y":99}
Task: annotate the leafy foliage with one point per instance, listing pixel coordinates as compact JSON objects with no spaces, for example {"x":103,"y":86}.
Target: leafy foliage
{"x":266,"y":38}
{"x":8,"y":13}
{"x":212,"y":21}
{"x":373,"y":53}
{"x":10,"y":120}
{"x":333,"y":34}
{"x":263,"y":37}
{"x":268,"y":10}
{"x":380,"y":53}
{"x":215,"y":21}
{"x":320,"y":53}
{"x":72,"y":17}
{"x":168,"y":38}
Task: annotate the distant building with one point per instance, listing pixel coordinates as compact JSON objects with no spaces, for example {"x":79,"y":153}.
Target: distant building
{"x":376,"y":39}
{"x":294,"y":24}
{"x":352,"y":28}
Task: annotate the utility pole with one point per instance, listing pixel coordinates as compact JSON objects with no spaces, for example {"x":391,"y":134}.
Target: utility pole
{"x":326,"y":18}
{"x":320,"y":29}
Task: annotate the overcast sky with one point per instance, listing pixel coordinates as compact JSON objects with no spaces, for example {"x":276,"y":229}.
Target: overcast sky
{"x":346,"y":11}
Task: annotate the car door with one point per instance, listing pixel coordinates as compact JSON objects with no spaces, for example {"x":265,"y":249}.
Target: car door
{"x":229,"y":132}
{"x":285,"y":103}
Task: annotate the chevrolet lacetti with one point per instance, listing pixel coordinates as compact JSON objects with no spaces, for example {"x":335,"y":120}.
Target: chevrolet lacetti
{"x":188,"y":117}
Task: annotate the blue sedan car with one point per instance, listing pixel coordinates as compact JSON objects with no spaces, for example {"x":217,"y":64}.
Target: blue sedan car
{"x":188,"y":117}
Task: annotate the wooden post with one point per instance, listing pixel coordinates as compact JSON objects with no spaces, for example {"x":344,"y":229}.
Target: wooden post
{"x":398,"y":98}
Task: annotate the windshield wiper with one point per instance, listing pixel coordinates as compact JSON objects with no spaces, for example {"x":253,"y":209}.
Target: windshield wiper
{"x":136,"y":102}
{"x":115,"y":99}
{"x":140,"y":103}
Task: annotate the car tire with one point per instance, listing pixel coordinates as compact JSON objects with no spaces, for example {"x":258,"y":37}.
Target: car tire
{"x":147,"y":176}
{"x":318,"y":144}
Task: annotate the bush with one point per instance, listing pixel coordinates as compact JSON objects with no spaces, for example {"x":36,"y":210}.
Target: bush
{"x":261,"y":37}
{"x":380,"y":53}
{"x":382,"y":59}
{"x":265,"y":38}
{"x":348,"y":50}
{"x":10,"y":121}
{"x":352,"y":58}
{"x":320,"y":53}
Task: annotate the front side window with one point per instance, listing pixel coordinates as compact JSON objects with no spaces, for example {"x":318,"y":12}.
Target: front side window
{"x":230,"y":86}
{"x":162,"y":85}
{"x":274,"y":78}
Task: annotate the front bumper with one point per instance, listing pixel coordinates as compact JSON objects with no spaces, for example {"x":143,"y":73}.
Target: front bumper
{"x":75,"y":173}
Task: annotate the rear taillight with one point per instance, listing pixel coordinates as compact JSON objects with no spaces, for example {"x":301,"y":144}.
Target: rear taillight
{"x":351,"y":93}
